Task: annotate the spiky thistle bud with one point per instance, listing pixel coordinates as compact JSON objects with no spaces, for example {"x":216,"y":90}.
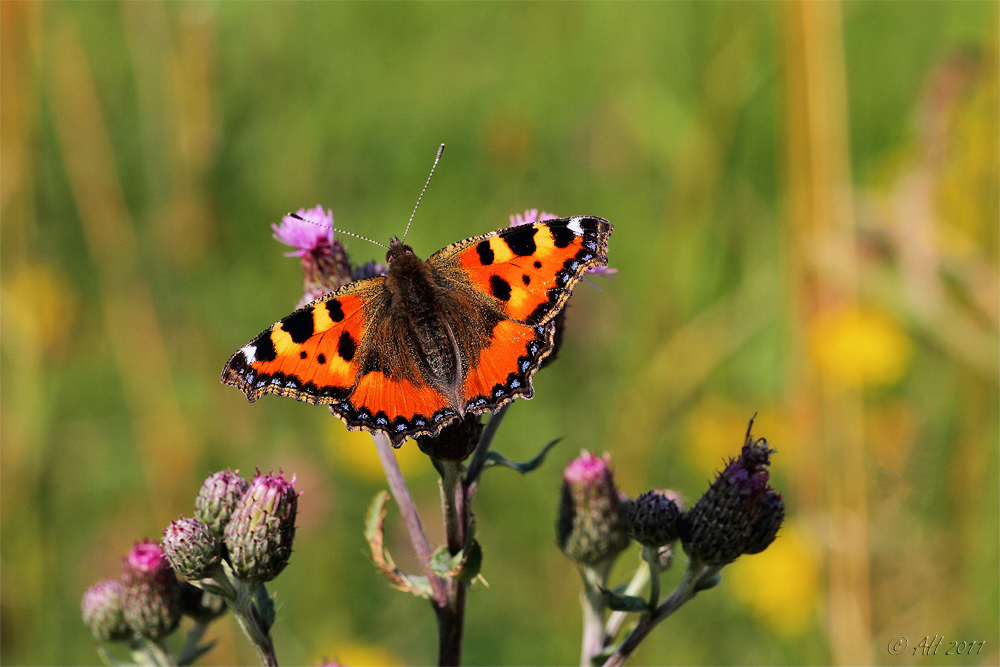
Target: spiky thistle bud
{"x":456,"y":442}
{"x":152,"y":604}
{"x":260,"y":532}
{"x":218,"y":498}
{"x":654,"y":518}
{"x":592,"y":528}
{"x":765,"y":527}
{"x":192,"y":548}
{"x":201,"y":605}
{"x":102,"y":611}
{"x":739,"y":512}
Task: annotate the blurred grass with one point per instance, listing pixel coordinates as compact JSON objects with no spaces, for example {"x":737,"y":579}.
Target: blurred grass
{"x":147,"y":148}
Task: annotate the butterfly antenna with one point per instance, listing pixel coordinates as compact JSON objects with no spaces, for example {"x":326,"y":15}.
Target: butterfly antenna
{"x":433,"y":167}
{"x":341,"y":231}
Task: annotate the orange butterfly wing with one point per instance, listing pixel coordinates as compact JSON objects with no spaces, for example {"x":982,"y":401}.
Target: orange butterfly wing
{"x":311,"y":355}
{"x":527,"y":273}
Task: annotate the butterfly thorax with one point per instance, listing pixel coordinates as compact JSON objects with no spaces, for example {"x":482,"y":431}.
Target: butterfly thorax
{"x":417,"y":311}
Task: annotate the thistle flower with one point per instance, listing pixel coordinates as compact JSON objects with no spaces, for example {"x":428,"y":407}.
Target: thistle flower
{"x":740,"y":513}
{"x":654,"y":519}
{"x":260,"y":532}
{"x":152,"y":602}
{"x":325,"y":265}
{"x":592,"y":528}
{"x":217,"y":499}
{"x":456,"y":442}
{"x":102,"y":611}
{"x":192,"y":548}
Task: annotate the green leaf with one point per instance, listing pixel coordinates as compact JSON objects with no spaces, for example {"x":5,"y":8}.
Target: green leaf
{"x":494,"y":458}
{"x":463,"y":566}
{"x":619,"y":602}
{"x":265,"y":605}
{"x":375,"y":515}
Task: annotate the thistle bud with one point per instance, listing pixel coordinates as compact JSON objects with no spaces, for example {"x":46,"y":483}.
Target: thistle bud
{"x":765,"y":527}
{"x":653,"y":519}
{"x":456,"y":442}
{"x":260,"y":532}
{"x":592,"y":527}
{"x":152,"y":603}
{"x":192,"y":548}
{"x":201,"y":605}
{"x":217,"y":499}
{"x":102,"y":611}
{"x":740,"y":513}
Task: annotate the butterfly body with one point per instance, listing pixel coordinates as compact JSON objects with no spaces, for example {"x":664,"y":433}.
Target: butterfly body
{"x":409,"y":352}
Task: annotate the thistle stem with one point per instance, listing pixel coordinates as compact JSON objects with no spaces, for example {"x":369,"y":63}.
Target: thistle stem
{"x":410,"y":517}
{"x":592,"y":602}
{"x":451,"y":616}
{"x":695,"y":574}
{"x":241,"y":595}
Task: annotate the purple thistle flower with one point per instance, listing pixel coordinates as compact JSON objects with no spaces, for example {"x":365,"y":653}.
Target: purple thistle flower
{"x":305,"y":236}
{"x":740,"y":513}
{"x":152,"y":603}
{"x":217,"y":499}
{"x":102,"y":611}
{"x":194,"y":551}
{"x":325,"y":265}
{"x":260,"y":532}
{"x":654,"y":518}
{"x":592,"y":527}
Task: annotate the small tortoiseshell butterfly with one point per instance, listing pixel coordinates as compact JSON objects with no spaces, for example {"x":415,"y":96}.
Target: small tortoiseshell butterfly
{"x":409,"y":352}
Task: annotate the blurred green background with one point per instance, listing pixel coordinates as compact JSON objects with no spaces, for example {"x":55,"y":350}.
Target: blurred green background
{"x":805,"y":201}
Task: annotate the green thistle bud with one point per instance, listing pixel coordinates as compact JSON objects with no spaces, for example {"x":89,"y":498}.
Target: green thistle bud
{"x":102,"y":611}
{"x":653,"y":519}
{"x":152,"y":603}
{"x":456,"y":442}
{"x":218,"y":498}
{"x":192,"y":548}
{"x":260,"y":532}
{"x":740,"y":513}
{"x":592,"y":528}
{"x":201,"y":605}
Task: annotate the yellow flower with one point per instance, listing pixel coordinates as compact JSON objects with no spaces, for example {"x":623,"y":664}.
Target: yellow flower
{"x":859,"y":346}
{"x":716,"y":429}
{"x":354,"y":451}
{"x":780,"y":584}
{"x":357,"y":655}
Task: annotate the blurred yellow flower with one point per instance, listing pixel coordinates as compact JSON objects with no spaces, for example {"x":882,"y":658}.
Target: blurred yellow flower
{"x":39,"y":308}
{"x":354,"y":451}
{"x":780,"y":584}
{"x":859,"y":346}
{"x":716,"y":428}
{"x":349,"y":654}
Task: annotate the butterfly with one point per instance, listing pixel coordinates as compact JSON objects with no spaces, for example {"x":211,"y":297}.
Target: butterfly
{"x":409,"y":352}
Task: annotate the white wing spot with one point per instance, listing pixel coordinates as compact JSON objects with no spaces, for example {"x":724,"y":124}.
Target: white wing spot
{"x":249,"y":353}
{"x":575,"y":226}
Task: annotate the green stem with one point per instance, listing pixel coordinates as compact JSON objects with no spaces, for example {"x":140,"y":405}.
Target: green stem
{"x":241,"y":595}
{"x":695,"y":574}
{"x":451,"y":615}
